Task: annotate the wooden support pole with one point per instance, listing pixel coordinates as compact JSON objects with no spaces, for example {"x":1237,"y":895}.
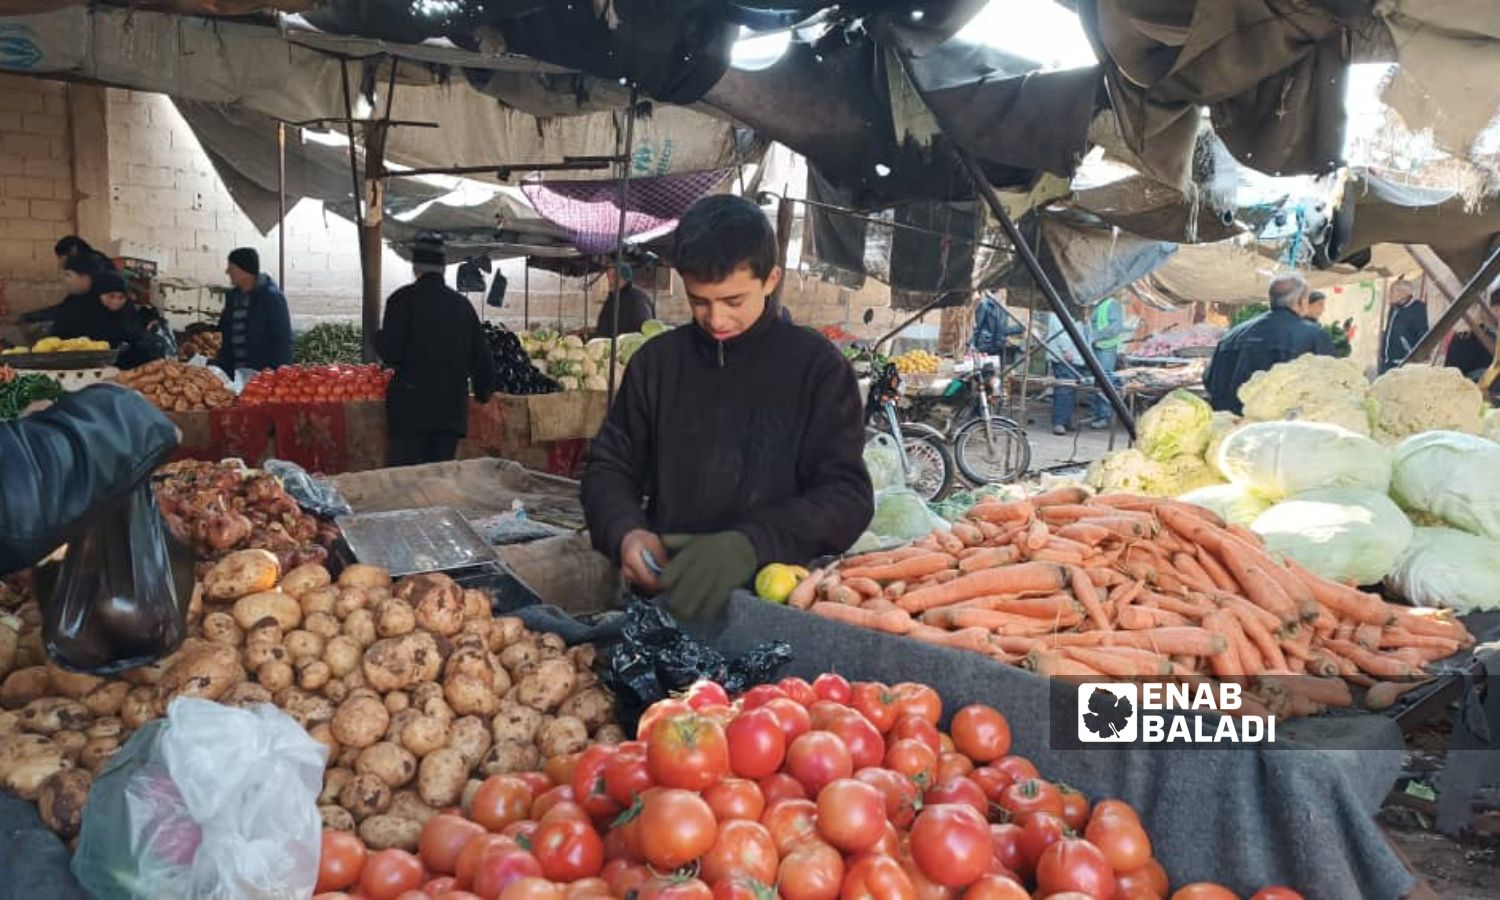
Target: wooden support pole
{"x":1466,"y":298}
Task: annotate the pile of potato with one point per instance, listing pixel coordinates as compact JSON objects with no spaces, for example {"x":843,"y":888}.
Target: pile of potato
{"x":414,"y":687}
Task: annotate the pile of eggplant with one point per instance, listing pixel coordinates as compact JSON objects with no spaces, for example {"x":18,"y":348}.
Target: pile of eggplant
{"x":514,"y":372}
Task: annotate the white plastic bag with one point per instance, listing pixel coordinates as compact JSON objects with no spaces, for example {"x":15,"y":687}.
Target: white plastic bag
{"x":212,"y":802}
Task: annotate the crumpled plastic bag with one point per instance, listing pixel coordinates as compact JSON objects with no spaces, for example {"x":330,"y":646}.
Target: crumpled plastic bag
{"x":883,"y":460}
{"x":314,"y":494}
{"x":211,"y":802}
{"x":655,"y":657}
{"x":900,"y":513}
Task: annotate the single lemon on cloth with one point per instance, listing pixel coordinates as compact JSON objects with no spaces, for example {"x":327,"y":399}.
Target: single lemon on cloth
{"x":776,"y":582}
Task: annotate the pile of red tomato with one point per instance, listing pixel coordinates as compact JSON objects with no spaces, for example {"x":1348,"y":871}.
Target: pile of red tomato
{"x":822,"y":791}
{"x":317,"y":384}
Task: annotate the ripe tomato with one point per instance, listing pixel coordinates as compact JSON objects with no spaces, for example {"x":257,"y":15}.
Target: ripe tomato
{"x":991,"y":780}
{"x":1122,"y":841}
{"x":468,"y":858}
{"x":340,"y":862}
{"x":902,"y":798}
{"x":588,"y":887}
{"x":673,"y":887}
{"x":760,"y":695}
{"x":687,"y":751}
{"x":521,"y":831}
{"x":913,"y":759}
{"x":829,"y":686}
{"x":626,"y":775}
{"x":559,"y":769}
{"x":757,"y":745}
{"x":996,"y":887}
{"x":543,"y":804}
{"x":926,"y":888}
{"x":877,"y":878}
{"x":443,"y":838}
{"x":589,"y":787}
{"x":818,"y":758}
{"x":1203,"y":890}
{"x":866,"y":746}
{"x":781,"y":786}
{"x":1017,"y":768}
{"x":389,"y":872}
{"x":812,"y":871}
{"x":736,"y":798}
{"x":910,"y":727}
{"x":1277,"y":892}
{"x":1032,"y":795}
{"x":824,"y":712}
{"x":793,"y":717}
{"x":1075,"y":865}
{"x":675,"y":827}
{"x":951,"y":844}
{"x":1075,"y":809}
{"x":564,"y":809}
{"x":532,"y":888}
{"x":496,"y":871}
{"x":889,"y":843}
{"x":536,"y":781}
{"x":1038,"y":832}
{"x":622,"y":877}
{"x":980,"y":733}
{"x":791,"y":822}
{"x":1005,"y":847}
{"x":1115,"y":808}
{"x":704,"y":693}
{"x":456,"y":895}
{"x":875,"y":702}
{"x":953,"y":765}
{"x":959,"y":790}
{"x":661,"y":709}
{"x":918,"y":700}
{"x":568,"y":849}
{"x":851,"y":815}
{"x":1148,"y":881}
{"x":741,"y":849}
{"x":742,"y":889}
{"x":798,"y":690}
{"x":443,"y":885}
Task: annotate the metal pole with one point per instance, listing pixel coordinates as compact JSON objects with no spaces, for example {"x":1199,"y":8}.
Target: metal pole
{"x":359,"y":213}
{"x":625,"y":161}
{"x":281,"y":204}
{"x":1059,"y":308}
{"x":526,"y":293}
{"x":1455,"y":311}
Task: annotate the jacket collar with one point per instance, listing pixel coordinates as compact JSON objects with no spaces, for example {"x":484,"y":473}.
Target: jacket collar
{"x":754,"y":336}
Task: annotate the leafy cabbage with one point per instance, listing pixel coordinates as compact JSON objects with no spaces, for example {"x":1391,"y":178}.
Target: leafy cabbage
{"x":1412,"y":399}
{"x":1444,"y":567}
{"x":1220,"y":427}
{"x":1452,"y":476}
{"x":1134,"y":472}
{"x":1346,"y":534}
{"x":900,"y":513}
{"x":652,"y":327}
{"x":1279,"y":459}
{"x":1309,"y":388}
{"x":1232,"y":502}
{"x":1179,"y":425}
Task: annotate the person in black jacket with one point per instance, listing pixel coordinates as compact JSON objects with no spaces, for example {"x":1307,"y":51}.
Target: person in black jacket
{"x":56,"y":466}
{"x":431,"y":337}
{"x":1404,"y":326}
{"x":256,"y":325}
{"x":736,"y":440}
{"x":635,"y":305}
{"x":1277,"y":335}
{"x":78,"y":271}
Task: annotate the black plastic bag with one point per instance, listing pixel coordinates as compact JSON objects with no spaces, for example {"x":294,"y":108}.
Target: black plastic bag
{"x":313,"y":493}
{"x":121,"y":594}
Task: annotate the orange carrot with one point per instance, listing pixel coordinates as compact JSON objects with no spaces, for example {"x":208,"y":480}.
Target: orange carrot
{"x":1053,"y":664}
{"x":1249,"y":566}
{"x":1102,"y":577}
{"x":950,"y":544}
{"x":937,"y":578}
{"x":1088,"y":595}
{"x":1129,"y":528}
{"x":1434,"y":622}
{"x":1062,"y":515}
{"x":881,"y":604}
{"x":805,"y":592}
{"x":1260,"y":637}
{"x":1055,"y":607}
{"x":866,"y":587}
{"x":1347,"y":602}
{"x":1192,"y":607}
{"x":1002,"y":513}
{"x":1245,"y":535}
{"x":906,"y":569}
{"x":890,"y":622}
{"x":1383,"y":694}
{"x":1070,"y":495}
{"x":1057,"y":556}
{"x":882,"y":557}
{"x":991,"y":531}
{"x":1191,"y":510}
{"x":1037,"y":535}
{"x":1400,"y":637}
{"x":1345,"y":631}
{"x":1085,"y":533}
{"x":1267,"y":621}
{"x":1226,"y":663}
{"x":1137,"y":618}
{"x":894,"y":590}
{"x":988,"y":558}
{"x":1066,"y":546}
{"x":1121,"y":662}
{"x":1216,"y":571}
{"x":1323,"y":664}
{"x":1023,"y":578}
{"x":1367,"y":636}
{"x":1124,"y":594}
{"x":1168,"y":542}
{"x":976,"y":640}
{"x":1187,"y":640}
{"x":1381,"y":666}
{"x":1294,"y":649}
{"x":1187,"y":566}
{"x":954,"y":618}
{"x":844,"y":595}
{"x":968,"y":533}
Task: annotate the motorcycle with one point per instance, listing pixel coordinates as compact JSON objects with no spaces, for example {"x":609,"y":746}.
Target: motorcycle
{"x":924,"y":453}
{"x":988,"y":448}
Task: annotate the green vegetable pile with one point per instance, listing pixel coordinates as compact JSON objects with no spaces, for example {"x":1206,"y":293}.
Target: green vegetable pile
{"x":24,"y":390}
{"x":328,"y":343}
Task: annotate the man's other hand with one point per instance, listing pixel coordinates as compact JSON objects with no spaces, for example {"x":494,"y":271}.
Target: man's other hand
{"x":633,"y":564}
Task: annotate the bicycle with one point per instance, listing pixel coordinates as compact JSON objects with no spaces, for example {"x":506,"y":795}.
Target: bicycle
{"x":988,"y":448}
{"x":925,"y":457}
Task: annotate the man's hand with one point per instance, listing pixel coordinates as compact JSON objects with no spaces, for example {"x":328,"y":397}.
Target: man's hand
{"x":633,"y":565}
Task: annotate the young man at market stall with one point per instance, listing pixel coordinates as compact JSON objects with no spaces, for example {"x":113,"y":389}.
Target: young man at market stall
{"x":431,"y":336}
{"x":1404,"y":327}
{"x":1282,"y":333}
{"x":736,"y":440}
{"x":256,"y":325}
{"x":635,"y":304}
{"x":78,"y":270}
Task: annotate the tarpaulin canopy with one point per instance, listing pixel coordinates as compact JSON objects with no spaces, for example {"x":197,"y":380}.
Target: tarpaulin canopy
{"x":588,"y":212}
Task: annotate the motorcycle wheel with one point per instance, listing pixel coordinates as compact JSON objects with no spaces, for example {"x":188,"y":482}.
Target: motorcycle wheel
{"x":930,"y":464}
{"x":982,"y":463}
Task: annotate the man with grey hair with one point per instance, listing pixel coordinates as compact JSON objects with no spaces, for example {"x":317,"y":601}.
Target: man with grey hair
{"x":1281,"y":333}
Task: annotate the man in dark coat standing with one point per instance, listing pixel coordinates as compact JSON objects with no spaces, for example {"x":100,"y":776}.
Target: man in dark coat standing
{"x":256,"y":325}
{"x":635,"y":305}
{"x":431,"y":337}
{"x":1405,"y":326}
{"x":736,"y":440}
{"x":1281,"y":333}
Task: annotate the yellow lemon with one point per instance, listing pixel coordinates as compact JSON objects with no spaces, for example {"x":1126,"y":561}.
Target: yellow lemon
{"x":801,"y":572}
{"x":775,"y":582}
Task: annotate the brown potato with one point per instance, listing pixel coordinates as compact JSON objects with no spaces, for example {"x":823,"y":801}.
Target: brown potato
{"x":324,"y":625}
{"x":365,"y":796}
{"x":267,"y":630}
{"x":246,"y":693}
{"x":471,"y":661}
{"x":360,"y":721}
{"x":508,"y":630}
{"x":335,"y":690}
{"x":438,"y":708}
{"x":441,"y":777}
{"x":343,"y":655}
{"x":305,"y":578}
{"x":396,"y":701}
{"x":336,"y":818}
{"x":561,"y":736}
{"x":518,"y":654}
{"x":515,"y":723}
{"x":552,"y":642}
{"x":593,"y":706}
{"x":471,"y":737}
{"x":106,"y":699}
{"x":385,"y":831}
{"x":437,"y":599}
{"x":323,"y":734}
{"x":147,"y":675}
{"x":221,"y":628}
{"x":60,"y":801}
{"x":583,"y":656}
{"x":425,"y":693}
{"x":333,"y":782}
{"x":275,"y":676}
{"x":390,"y":762}
{"x":393,"y":618}
{"x":360,"y":626}
{"x":394,"y":664}
{"x":73,"y":685}
{"x":97,"y":752}
{"x":548,"y":686}
{"x":408,"y":805}
{"x":50,"y":715}
{"x":320,"y":600}
{"x":139,"y":707}
{"x":105,"y":728}
{"x":26,"y":775}
{"x":509,"y":757}
{"x":423,"y":734}
{"x":350,"y":601}
{"x":261,"y":652}
{"x":240,"y":574}
{"x":255,"y":608}
{"x":307,"y":709}
{"x":313,"y":674}
{"x":23,"y":686}
{"x":10,"y":643}
{"x":364,"y":576}
{"x":303,"y":644}
{"x":206,"y":671}
{"x":477,"y":605}
{"x":467,"y":695}
{"x":355,"y":681}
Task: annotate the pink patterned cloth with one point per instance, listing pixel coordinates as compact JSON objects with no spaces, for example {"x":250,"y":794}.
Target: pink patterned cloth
{"x":589,"y":211}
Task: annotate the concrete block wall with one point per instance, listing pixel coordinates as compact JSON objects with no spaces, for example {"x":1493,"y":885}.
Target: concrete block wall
{"x":36,"y":189}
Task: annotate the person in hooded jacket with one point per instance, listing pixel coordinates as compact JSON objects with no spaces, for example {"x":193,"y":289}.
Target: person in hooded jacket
{"x":78,"y":271}
{"x":255,"y":324}
{"x":1404,"y":327}
{"x":736,"y":440}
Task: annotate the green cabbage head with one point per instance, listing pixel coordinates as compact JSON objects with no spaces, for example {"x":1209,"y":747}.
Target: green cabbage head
{"x":1449,"y":568}
{"x":1452,"y":476}
{"x":1279,"y":459}
{"x":1232,"y":502}
{"x":1346,"y":534}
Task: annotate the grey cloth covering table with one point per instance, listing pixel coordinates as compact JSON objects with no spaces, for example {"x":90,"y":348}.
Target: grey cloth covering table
{"x":1299,"y":813}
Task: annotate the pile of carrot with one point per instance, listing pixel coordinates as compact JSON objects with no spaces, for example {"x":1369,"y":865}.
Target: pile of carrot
{"x":1119,"y":586}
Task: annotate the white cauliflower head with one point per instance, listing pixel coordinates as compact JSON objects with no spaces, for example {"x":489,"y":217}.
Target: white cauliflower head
{"x":1309,"y":388}
{"x":1133,"y":472}
{"x":1411,"y":399}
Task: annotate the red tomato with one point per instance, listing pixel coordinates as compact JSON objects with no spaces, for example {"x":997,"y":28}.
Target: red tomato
{"x":791,"y":822}
{"x":340,"y":862}
{"x":951,"y":844}
{"x":996,"y":887}
{"x":1005,"y":846}
{"x":1075,"y":807}
{"x":910,"y":727}
{"x":877,"y":878}
{"x":588,"y":887}
{"x":812,"y":871}
{"x":1141,"y":884}
{"x":1075,"y":865}
{"x":544,"y":802}
{"x":901,"y":795}
{"x":741,"y":849}
{"x":757,"y":745}
{"x":953,"y":765}
{"x":443,"y":885}
{"x":675,"y":827}
{"x":1017,"y":768}
{"x":1115,"y":808}
{"x":926,"y":888}
{"x":959,"y":790}
{"x":918,"y":700}
{"x":414,"y":895}
{"x":781,"y":786}
{"x":443,"y":838}
{"x":497,"y":870}
{"x":389,"y":872}
{"x":824,"y":712}
{"x":791,"y":716}
{"x":661,"y":709}
{"x":736,"y":798}
{"x":1038,"y":832}
{"x":797,"y":689}
{"x":829,"y":686}
{"x":1276,"y":893}
{"x":705,"y":693}
{"x":588,"y":782}
{"x":674,"y":887}
{"x":851,"y":815}
{"x":564,"y":809}
{"x":991,"y":780}
{"x":760,"y":695}
{"x":521,"y":831}
{"x":1032,"y":795}
{"x":626,"y":775}
{"x":742,"y":889}
{"x":866,"y":746}
{"x":568,"y":850}
{"x":1204,"y":890}
{"x":875,"y":702}
{"x":1122,"y":841}
{"x":532,"y":888}
{"x":889,"y":843}
{"x":622,"y":877}
{"x":468,"y":858}
{"x":456,"y":895}
{"x":818,"y":758}
{"x":980,"y":733}
{"x":913,"y":759}
{"x":687,"y":751}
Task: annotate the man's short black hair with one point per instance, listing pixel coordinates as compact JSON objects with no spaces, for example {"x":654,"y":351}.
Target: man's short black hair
{"x":72,"y":245}
{"x":721,"y":233}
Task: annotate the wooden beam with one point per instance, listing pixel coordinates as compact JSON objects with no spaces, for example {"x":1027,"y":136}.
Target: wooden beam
{"x":1442,"y":277}
{"x":89,"y":130}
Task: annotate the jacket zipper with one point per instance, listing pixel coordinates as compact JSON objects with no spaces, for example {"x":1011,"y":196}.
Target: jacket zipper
{"x":721,"y":353}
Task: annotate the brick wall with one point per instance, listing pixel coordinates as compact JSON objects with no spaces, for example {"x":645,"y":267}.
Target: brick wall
{"x":36,"y":188}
